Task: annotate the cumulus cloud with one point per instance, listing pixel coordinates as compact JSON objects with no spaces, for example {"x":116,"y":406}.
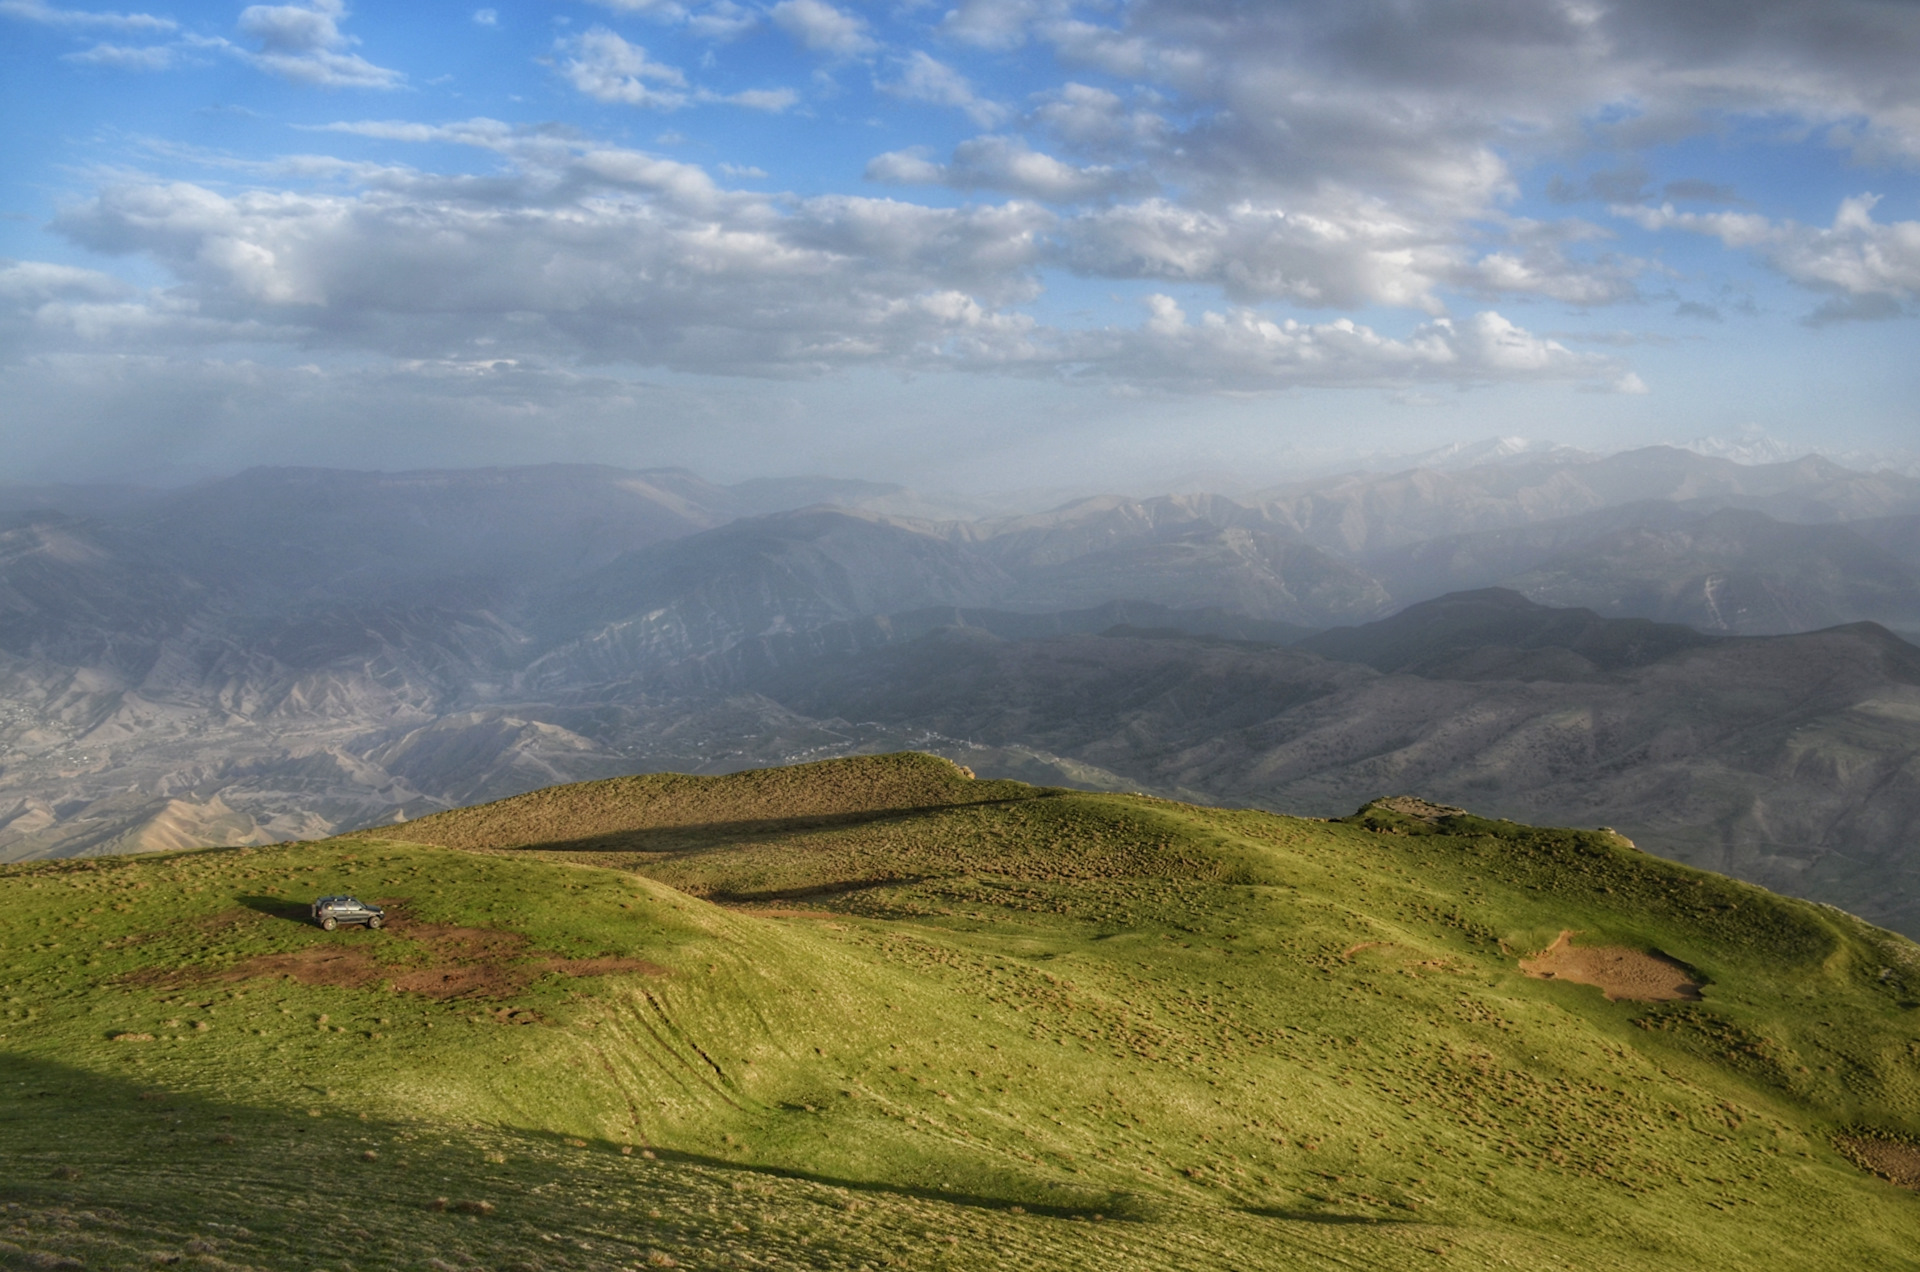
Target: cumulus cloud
{"x":608,"y":69}
{"x":823,"y":28}
{"x":1005,"y":164}
{"x":923,"y":79}
{"x":1544,"y":270}
{"x":1242,"y":349}
{"x":649,"y":261}
{"x":591,"y":253}
{"x":1344,"y":120}
{"x":44,"y":304}
{"x":1362,"y":253}
{"x":30,"y":283}
{"x":998,"y":24}
{"x":1872,"y":265}
{"x":1100,"y":121}
{"x":304,"y":43}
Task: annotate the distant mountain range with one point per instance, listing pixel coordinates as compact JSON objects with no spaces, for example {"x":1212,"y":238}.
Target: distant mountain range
{"x":1699,"y":652}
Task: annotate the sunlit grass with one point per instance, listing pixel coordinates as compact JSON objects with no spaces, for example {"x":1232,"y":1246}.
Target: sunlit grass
{"x":905,"y":1019}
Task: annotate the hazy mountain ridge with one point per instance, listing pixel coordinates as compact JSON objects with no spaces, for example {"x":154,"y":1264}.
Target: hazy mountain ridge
{"x":1789,"y":760}
{"x":294,"y":651}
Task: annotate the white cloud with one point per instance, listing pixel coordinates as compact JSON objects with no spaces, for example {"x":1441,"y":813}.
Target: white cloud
{"x":712,"y":20}
{"x":1544,"y":271}
{"x":120,"y":57}
{"x":31,"y":283}
{"x":1099,"y":120}
{"x":771,"y":100}
{"x":923,"y":79}
{"x":1244,"y":350}
{"x":662,"y":10}
{"x":486,"y":17}
{"x":722,"y":20}
{"x":1856,"y":256}
{"x":490,"y":134}
{"x":997,"y":24}
{"x":823,"y":28}
{"x":906,"y":167}
{"x":38,"y":11}
{"x":304,"y":43}
{"x":1007,"y":164}
{"x":1357,"y":253}
{"x":647,"y":261}
{"x":608,"y":69}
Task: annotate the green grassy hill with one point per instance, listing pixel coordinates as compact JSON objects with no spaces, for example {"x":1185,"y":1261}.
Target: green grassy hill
{"x":873,"y":1013}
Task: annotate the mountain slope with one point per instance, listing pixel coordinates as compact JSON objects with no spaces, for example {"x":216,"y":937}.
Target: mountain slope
{"x":778,"y":1019}
{"x":1791,"y":761}
{"x":1364,"y":513}
{"x":1494,"y":629}
{"x":1733,"y":571}
{"x":1249,"y":572}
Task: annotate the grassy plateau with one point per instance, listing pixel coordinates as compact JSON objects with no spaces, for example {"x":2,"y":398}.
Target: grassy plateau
{"x":875,"y":1013}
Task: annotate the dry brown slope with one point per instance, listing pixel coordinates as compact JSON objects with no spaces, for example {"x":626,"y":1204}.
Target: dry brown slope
{"x":589,"y":811}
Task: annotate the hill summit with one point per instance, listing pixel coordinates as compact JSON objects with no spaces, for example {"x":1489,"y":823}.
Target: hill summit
{"x":873,"y":1012}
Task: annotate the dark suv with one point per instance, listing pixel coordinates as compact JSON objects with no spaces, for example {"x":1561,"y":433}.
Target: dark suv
{"x":331,"y":912}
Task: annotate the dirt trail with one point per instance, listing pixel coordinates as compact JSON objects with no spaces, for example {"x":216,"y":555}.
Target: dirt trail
{"x":1616,"y":971}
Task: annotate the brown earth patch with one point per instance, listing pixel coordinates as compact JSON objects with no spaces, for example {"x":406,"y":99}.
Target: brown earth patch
{"x":1620,"y":973}
{"x":1893,"y":1160}
{"x":437,"y":960}
{"x":1415,"y":807}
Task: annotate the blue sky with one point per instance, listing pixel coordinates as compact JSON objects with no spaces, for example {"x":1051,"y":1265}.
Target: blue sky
{"x":985,"y":244}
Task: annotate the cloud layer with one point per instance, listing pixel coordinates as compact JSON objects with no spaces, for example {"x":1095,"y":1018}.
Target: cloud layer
{"x":1169,"y":196}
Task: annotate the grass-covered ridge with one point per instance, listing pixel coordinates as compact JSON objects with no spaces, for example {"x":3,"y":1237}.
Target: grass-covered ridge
{"x":875,"y":1012}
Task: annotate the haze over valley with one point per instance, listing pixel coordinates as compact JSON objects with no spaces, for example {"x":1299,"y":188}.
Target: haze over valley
{"x":1704,"y":654}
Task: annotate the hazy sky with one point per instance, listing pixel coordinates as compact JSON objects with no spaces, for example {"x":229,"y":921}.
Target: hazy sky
{"x":993,"y":243}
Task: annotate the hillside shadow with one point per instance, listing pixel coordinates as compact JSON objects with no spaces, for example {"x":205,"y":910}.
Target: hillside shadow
{"x":705,"y":835}
{"x":74,"y":1138}
{"x":280,"y":908}
{"x":1117,"y":1207}
{"x":836,"y":891}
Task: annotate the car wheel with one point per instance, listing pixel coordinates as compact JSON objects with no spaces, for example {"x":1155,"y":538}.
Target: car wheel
{"x":329,"y":923}
{"x":375,"y":921}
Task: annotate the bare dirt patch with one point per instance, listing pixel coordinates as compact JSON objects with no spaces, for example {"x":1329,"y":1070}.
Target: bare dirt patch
{"x":1415,"y":807}
{"x":1893,"y":1160}
{"x":437,"y":960}
{"x":1620,"y":973}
